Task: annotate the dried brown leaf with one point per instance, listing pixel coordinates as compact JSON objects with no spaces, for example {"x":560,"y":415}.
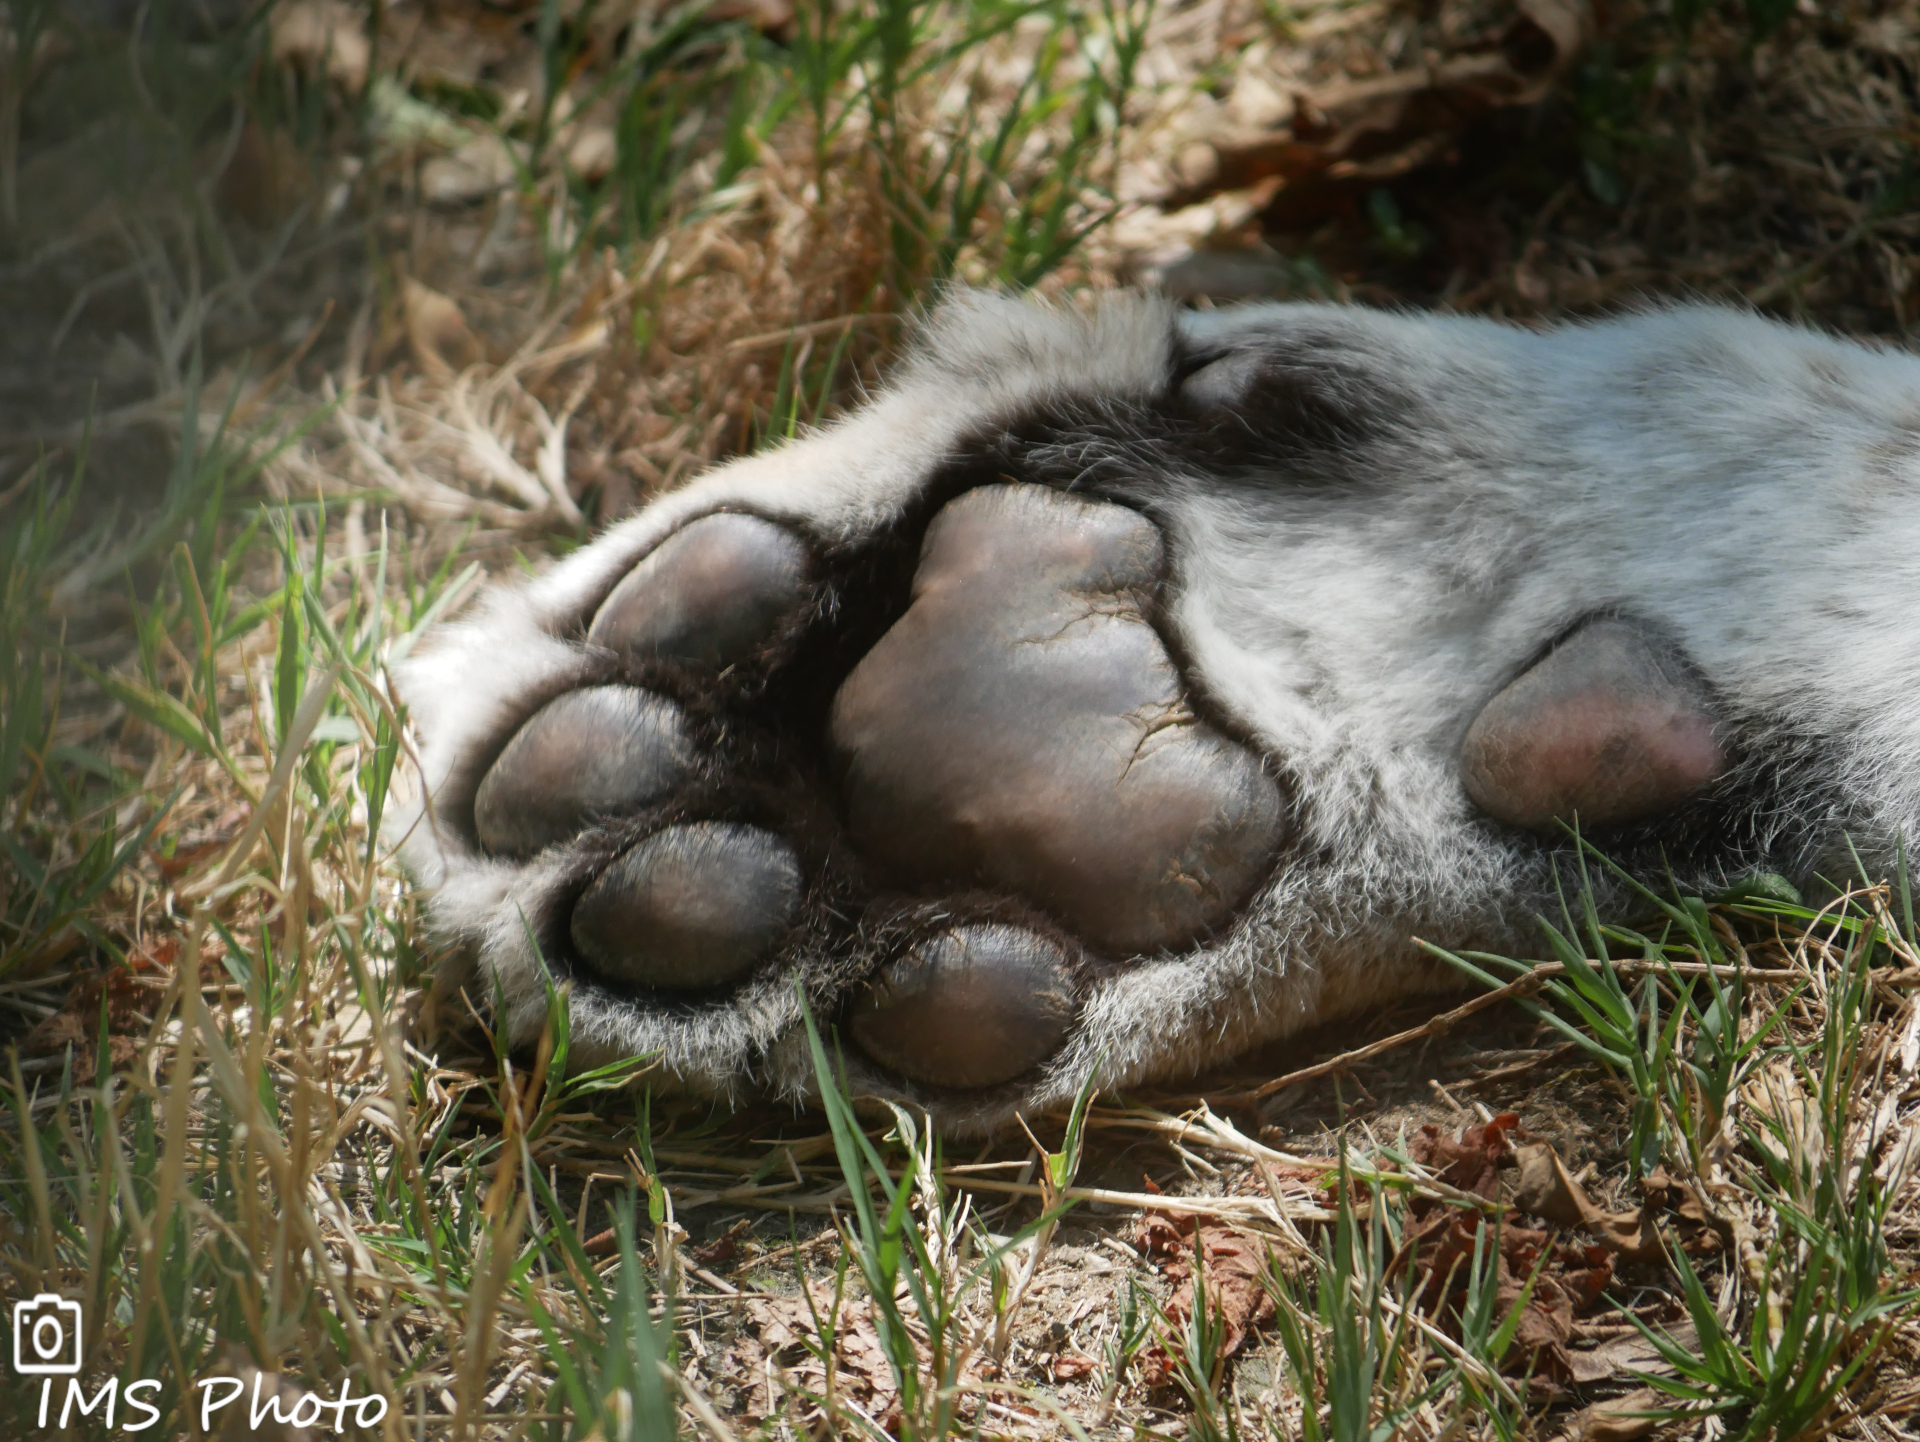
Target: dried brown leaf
{"x":322,"y":35}
{"x":437,"y":333}
{"x":1356,"y":133}
{"x":1470,"y":1160}
{"x":77,"y":1023}
{"x":1547,"y":1189}
{"x":1621,"y":1354}
{"x":1233,"y":1265}
{"x":1073,"y":1367}
{"x":1615,"y":1420}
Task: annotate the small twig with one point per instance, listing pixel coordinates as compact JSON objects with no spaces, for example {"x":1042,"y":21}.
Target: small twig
{"x":714,"y":1280}
{"x":698,"y":1405}
{"x":1793,"y":280}
{"x":1520,"y":987}
{"x":1250,"y":1209}
{"x":807,"y":332}
{"x":1520,"y":1068}
{"x":1434,"y":1026}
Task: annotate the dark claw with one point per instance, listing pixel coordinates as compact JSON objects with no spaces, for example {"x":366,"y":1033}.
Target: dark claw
{"x":971,"y":1007}
{"x":1613,"y":726}
{"x":690,"y":908}
{"x":708,"y":596}
{"x":592,"y":751}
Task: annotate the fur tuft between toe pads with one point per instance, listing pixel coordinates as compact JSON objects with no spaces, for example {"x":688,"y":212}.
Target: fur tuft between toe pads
{"x":1119,"y":690}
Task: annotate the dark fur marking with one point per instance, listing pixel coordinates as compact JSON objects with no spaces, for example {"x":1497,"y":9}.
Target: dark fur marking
{"x":1307,"y":411}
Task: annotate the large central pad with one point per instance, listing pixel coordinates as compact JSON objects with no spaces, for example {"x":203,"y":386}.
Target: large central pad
{"x":1022,"y":726}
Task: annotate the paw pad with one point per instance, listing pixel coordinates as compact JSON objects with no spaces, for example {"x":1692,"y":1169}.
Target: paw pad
{"x":1612,"y":726}
{"x":690,"y":907}
{"x":708,"y":595}
{"x":973,"y":1006}
{"x":1023,"y":727}
{"x":1018,"y":742}
{"x":599,"y":750}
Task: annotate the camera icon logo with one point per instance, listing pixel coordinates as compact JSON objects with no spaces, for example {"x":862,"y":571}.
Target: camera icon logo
{"x":46,"y":1337}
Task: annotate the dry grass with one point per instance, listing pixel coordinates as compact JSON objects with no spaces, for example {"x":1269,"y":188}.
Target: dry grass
{"x":430,"y":310}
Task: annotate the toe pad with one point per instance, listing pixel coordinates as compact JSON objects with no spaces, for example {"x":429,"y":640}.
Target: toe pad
{"x":690,"y":908}
{"x":593,"y":751}
{"x":973,"y":1006}
{"x":708,"y":595}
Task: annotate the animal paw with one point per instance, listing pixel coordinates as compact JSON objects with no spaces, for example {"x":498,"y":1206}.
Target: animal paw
{"x":1109,"y":695}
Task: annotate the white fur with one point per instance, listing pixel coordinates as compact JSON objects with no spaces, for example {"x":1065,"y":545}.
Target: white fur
{"x":1753,"y":487}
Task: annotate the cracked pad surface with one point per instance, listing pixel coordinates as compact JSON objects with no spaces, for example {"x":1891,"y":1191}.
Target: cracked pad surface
{"x":1023,"y":727}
